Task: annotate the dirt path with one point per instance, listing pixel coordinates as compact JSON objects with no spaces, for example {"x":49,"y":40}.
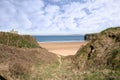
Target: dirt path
{"x":60,"y":60}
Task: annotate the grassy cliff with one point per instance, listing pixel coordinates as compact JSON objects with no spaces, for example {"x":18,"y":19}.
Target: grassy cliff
{"x":24,"y":64}
{"x":22,"y":59}
{"x":16,"y":40}
{"x":100,"y":58}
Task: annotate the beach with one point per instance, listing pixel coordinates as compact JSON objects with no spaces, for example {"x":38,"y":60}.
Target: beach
{"x":62,"y":48}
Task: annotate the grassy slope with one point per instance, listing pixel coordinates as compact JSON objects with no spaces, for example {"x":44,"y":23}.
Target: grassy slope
{"x":22,"y":63}
{"x":16,"y":40}
{"x":100,"y":58}
{"x":20,"y":59}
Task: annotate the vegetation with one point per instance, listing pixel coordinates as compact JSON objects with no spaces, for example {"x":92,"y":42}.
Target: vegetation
{"x":16,"y":40}
{"x":99,"y":55}
{"x":24,"y":64}
{"x":99,"y":59}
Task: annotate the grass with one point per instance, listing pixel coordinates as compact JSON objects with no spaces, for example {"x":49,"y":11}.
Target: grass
{"x":16,"y":40}
{"x":114,"y":60}
{"x":53,"y":72}
{"x":110,"y":29}
{"x":82,"y":50}
{"x":23,"y":67}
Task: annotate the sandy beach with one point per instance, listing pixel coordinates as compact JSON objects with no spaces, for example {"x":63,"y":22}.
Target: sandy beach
{"x":62,"y":48}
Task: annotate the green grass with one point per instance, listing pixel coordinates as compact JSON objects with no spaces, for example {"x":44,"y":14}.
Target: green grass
{"x":110,"y":29}
{"x":114,"y":60}
{"x":16,"y":40}
{"x":98,"y":75}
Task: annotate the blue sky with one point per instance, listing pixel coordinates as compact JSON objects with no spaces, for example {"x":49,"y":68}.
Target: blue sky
{"x":55,"y":17}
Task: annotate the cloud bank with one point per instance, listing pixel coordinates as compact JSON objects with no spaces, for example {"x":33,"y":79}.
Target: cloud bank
{"x":45,"y":17}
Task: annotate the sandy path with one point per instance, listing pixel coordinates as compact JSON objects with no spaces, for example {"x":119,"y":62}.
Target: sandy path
{"x":63,"y":48}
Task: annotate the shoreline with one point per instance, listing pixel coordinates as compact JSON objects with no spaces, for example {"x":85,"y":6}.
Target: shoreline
{"x":61,"y":41}
{"x":63,"y":48}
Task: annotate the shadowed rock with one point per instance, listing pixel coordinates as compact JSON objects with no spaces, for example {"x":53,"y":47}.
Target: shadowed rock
{"x":2,"y":78}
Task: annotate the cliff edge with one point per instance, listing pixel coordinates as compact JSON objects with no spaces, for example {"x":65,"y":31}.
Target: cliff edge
{"x":102,"y":52}
{"x":99,"y":59}
{"x":21,"y":57}
{"x":20,"y":41}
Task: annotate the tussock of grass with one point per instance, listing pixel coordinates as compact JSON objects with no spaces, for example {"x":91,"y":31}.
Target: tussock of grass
{"x":16,"y":40}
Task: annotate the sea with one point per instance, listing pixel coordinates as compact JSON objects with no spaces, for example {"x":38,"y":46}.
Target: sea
{"x":59,"y":38}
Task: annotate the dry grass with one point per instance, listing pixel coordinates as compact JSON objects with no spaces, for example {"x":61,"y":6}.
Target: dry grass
{"x":18,"y":63}
{"x":16,"y":40}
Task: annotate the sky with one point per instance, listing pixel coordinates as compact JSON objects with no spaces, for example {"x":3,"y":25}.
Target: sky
{"x":59,"y":17}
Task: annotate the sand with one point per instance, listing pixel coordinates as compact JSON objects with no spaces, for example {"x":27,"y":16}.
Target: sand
{"x":62,"y":48}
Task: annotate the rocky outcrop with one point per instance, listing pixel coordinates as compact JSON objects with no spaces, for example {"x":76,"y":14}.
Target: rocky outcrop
{"x":89,"y":37}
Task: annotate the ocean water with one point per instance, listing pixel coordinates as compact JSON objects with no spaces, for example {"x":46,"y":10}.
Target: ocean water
{"x":69,"y":38}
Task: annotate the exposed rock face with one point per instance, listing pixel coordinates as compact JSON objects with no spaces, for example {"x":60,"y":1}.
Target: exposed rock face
{"x":90,"y":36}
{"x":2,"y":78}
{"x":102,"y":52}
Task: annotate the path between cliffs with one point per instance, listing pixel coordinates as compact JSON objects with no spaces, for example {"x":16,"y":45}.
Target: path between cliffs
{"x":60,"y":60}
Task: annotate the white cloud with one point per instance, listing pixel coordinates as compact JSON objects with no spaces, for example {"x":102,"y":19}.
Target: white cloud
{"x":29,"y":6}
{"x":36,"y":17}
{"x":55,"y":0}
